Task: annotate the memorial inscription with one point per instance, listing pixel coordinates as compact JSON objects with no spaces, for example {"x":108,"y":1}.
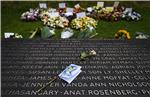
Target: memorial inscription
{"x":120,"y":68}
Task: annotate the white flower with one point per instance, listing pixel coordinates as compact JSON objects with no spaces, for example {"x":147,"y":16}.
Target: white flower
{"x":93,"y":52}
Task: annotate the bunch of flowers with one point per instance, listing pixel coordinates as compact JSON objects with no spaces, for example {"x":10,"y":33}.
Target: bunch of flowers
{"x":131,"y":16}
{"x":53,"y":21}
{"x":111,"y":13}
{"x":89,"y":32}
{"x":116,"y":14}
{"x":83,"y":23}
{"x":56,"y":21}
{"x":141,"y":35}
{"x":43,"y":13}
{"x":87,"y":54}
{"x":16,"y":35}
{"x":97,"y":8}
{"x":30,"y":15}
{"x":67,"y":33}
{"x":122,"y":34}
{"x":77,"y":8}
{"x":106,"y":12}
{"x":96,"y":12}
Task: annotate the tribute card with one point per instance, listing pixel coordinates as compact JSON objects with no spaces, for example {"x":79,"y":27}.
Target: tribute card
{"x":8,"y":34}
{"x":101,"y":4}
{"x":70,"y":73}
{"x":128,"y":10}
{"x":81,"y":15}
{"x":54,"y":14}
{"x":43,"y":5}
{"x":68,"y":14}
{"x":69,"y":10}
{"x":62,"y":5}
{"x":116,"y":4}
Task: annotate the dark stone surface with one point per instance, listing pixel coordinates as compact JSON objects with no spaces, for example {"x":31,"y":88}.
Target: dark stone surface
{"x":120,"y":68}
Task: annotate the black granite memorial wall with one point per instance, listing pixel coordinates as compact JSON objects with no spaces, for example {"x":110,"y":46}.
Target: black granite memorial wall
{"x":120,"y":68}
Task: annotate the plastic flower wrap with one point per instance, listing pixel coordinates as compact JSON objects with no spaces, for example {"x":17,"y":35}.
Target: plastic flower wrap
{"x":67,"y":33}
{"x":83,"y":23}
{"x":30,"y":15}
{"x":18,"y":35}
{"x":141,"y":35}
{"x":44,"y":32}
{"x":89,"y":32}
{"x":47,"y":32}
{"x":131,"y":16}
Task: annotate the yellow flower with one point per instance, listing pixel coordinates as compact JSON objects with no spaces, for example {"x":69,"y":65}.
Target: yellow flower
{"x":124,"y":32}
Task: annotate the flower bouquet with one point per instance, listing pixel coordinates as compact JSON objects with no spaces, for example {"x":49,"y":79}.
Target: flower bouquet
{"x":47,"y":32}
{"x":122,"y":34}
{"x":55,"y":21}
{"x":69,"y":14}
{"x":18,"y":35}
{"x":67,"y":33}
{"x":83,"y":23}
{"x":89,"y":32}
{"x":116,"y":14}
{"x":95,"y":12}
{"x":130,"y":15}
{"x":31,"y":15}
{"x":105,"y":13}
{"x":87,"y":54}
{"x":77,"y":8}
{"x":13,"y":35}
{"x":97,"y":8}
{"x":62,"y":8}
{"x":91,"y":12}
{"x":140,"y":35}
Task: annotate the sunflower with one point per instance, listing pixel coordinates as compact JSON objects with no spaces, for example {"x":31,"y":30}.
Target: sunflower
{"x":122,"y":34}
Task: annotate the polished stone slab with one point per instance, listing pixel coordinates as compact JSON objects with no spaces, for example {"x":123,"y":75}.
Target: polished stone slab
{"x":120,"y":68}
